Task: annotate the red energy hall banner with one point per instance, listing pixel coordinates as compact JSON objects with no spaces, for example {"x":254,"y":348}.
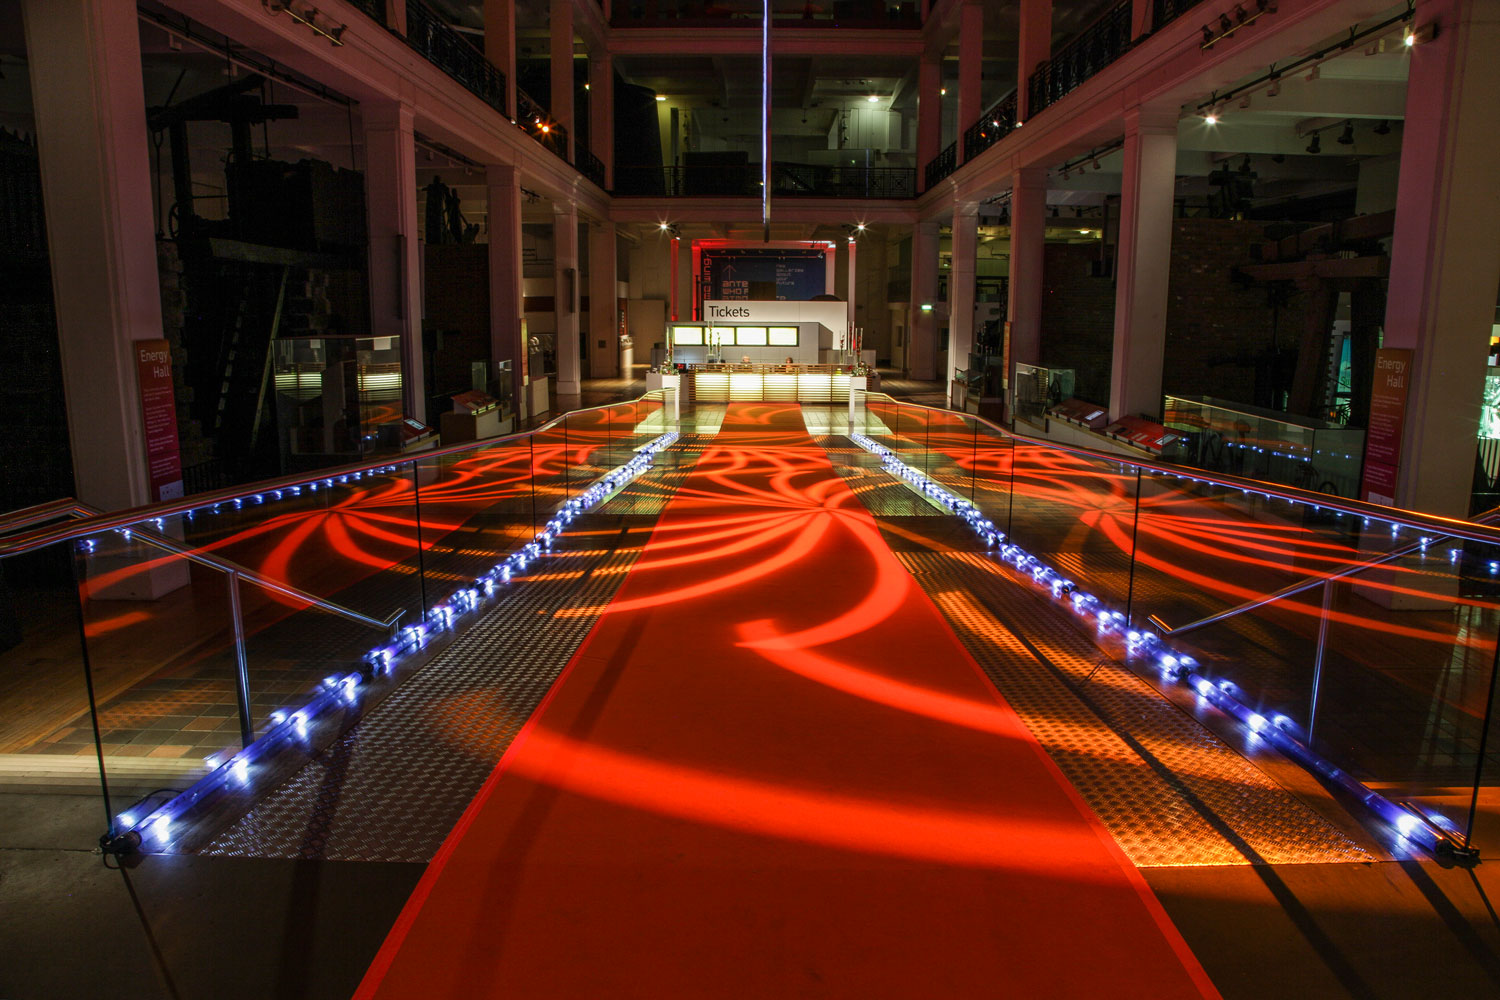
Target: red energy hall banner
{"x":153,"y":367}
{"x":1387,"y":421}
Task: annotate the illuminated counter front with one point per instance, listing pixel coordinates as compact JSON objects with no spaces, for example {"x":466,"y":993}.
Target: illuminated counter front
{"x":756,"y":383}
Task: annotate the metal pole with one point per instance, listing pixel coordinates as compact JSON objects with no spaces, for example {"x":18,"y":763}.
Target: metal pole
{"x":88,"y":682}
{"x":241,"y":660}
{"x":1135,"y":532}
{"x":1312,"y":709}
{"x":765,"y":121}
{"x":1484,"y":736}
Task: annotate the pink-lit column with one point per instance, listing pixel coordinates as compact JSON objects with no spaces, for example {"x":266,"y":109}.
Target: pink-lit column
{"x":601,"y":113}
{"x":503,"y":186}
{"x":1445,"y":255}
{"x":961,"y":295}
{"x":395,"y":252}
{"x":1143,"y":263}
{"x":970,"y":63}
{"x":1028,"y":237}
{"x":1140,"y":18}
{"x":849,"y":298}
{"x":561,"y":101}
{"x":84,"y":60}
{"x":565,"y":297}
{"x":921,"y":351}
{"x":1035,"y":48}
{"x":500,"y":44}
{"x":604,"y":317}
{"x":929,"y":113}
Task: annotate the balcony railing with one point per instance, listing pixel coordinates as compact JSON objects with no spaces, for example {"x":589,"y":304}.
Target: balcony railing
{"x":1092,"y":49}
{"x":590,"y":166}
{"x":538,"y":123}
{"x":784,"y":14}
{"x":806,"y":180}
{"x":942,"y":165}
{"x":452,"y":53}
{"x":992,"y":126}
{"x":1164,"y":12}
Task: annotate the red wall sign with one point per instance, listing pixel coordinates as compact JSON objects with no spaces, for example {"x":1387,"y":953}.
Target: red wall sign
{"x":153,"y":366}
{"x":1387,"y":421}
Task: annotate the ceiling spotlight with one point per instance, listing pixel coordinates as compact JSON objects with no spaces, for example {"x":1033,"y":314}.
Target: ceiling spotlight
{"x":1409,"y":39}
{"x":1212,"y":118}
{"x":661,"y":97}
{"x":663,"y":226}
{"x":859,"y":227}
{"x":1316,"y":146}
{"x":942,"y":91}
{"x":1096,"y":165}
{"x":1208,"y":35}
{"x":1275,"y":88}
{"x":1347,"y":139}
{"x":1382,"y":128}
{"x":872,"y":98}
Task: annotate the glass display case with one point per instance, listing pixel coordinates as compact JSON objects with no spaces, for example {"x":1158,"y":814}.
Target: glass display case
{"x":1038,"y":387}
{"x":1263,"y":444}
{"x":336,"y":397}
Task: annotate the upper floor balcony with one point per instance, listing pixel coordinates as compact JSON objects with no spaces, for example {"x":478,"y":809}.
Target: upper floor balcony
{"x":784,"y":13}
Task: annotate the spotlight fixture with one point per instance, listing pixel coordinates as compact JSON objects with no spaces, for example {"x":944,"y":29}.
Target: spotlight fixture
{"x":873,"y":98}
{"x":1382,"y":128}
{"x":1316,"y":146}
{"x":661,"y":97}
{"x":1347,"y":138}
{"x":942,"y":92}
{"x":1212,"y":118}
{"x":1245,"y":101}
{"x":1274,"y":89}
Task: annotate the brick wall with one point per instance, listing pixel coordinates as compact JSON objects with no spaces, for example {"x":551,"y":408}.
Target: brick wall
{"x":1218,"y":331}
{"x":1078,"y":317}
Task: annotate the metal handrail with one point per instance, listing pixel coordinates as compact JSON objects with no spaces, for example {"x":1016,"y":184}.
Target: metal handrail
{"x":78,"y":509}
{"x":1447,"y":526}
{"x":30,"y":542}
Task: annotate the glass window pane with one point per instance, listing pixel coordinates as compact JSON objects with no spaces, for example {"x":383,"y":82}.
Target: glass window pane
{"x":750,"y":336}
{"x":783,"y":336}
{"x":691,"y":336}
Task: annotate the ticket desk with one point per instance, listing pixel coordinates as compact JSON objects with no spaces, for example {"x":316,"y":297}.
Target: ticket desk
{"x":723,"y":383}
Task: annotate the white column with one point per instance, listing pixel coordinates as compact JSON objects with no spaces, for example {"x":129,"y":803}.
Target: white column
{"x":921,"y":355}
{"x":561,"y":101}
{"x":604,"y":315}
{"x":853,"y":290}
{"x":1445,"y":255}
{"x":84,"y":60}
{"x":500,"y":44}
{"x":395,"y":252}
{"x":565,"y":295}
{"x":961,"y":294}
{"x":929,"y":113}
{"x":1035,"y":48}
{"x":1028,"y":236}
{"x":503,"y":185}
{"x":970,"y":63}
{"x":1143,"y":263}
{"x":602,"y":113}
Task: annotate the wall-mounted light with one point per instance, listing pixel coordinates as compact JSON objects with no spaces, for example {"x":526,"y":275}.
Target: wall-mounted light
{"x":661,"y":97}
{"x":1347,"y":138}
{"x":873,"y":98}
{"x":927,"y":307}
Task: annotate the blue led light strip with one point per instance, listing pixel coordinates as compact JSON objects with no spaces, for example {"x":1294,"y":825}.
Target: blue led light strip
{"x":1430,"y":831}
{"x":153,"y":827}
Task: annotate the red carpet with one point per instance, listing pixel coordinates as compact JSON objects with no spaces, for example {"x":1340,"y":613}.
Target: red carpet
{"x":773,"y":771}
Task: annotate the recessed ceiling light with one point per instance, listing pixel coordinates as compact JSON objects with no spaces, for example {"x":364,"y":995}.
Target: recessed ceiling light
{"x":661,"y":97}
{"x":872,"y":98}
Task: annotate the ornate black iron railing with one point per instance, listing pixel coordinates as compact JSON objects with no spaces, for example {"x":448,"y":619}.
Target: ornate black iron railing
{"x":590,"y":166}
{"x":992,"y":126}
{"x":942,"y":165}
{"x":452,"y":53}
{"x":1164,"y":12}
{"x":538,"y":124}
{"x":1092,"y":49}
{"x":784,"y":14}
{"x":805,"y":180}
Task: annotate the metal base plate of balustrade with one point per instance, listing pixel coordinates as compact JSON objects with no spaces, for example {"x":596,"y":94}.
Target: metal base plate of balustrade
{"x":1148,"y":770}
